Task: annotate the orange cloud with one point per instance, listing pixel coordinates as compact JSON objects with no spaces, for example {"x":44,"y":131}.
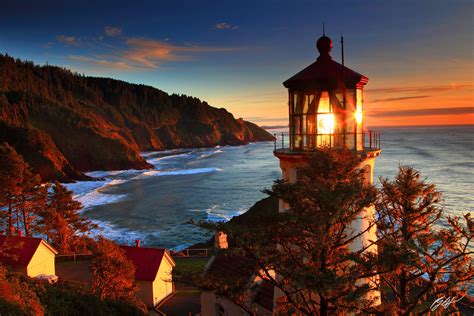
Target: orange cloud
{"x":150,"y":53}
{"x":440,"y":88}
{"x":423,"y":112}
{"x":401,"y":98}
{"x":138,"y":53}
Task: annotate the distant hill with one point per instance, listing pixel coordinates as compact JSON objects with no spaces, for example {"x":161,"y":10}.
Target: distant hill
{"x":64,"y":123}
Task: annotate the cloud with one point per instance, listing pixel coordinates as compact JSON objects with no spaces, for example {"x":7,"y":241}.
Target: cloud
{"x":143,"y":53}
{"x":225,"y":26}
{"x":149,"y":53}
{"x":68,"y":40}
{"x":423,"y":112}
{"x":400,"y":98}
{"x":420,"y":89}
{"x":101,"y":62}
{"x":112,"y":31}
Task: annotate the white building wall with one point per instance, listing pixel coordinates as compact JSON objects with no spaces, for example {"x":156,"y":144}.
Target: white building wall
{"x":42,"y":262}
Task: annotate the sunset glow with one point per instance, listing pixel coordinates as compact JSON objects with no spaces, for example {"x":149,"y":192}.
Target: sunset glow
{"x":235,"y":55}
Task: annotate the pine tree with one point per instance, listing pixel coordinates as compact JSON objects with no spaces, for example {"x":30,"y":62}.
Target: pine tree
{"x":304,"y":251}
{"x":61,"y":221}
{"x":422,"y":255}
{"x":113,"y":275}
{"x":12,"y":169}
{"x":31,"y":202}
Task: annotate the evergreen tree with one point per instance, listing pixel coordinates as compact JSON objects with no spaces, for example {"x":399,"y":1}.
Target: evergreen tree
{"x":422,"y":256}
{"x":31,"y":202}
{"x":113,"y":275}
{"x":304,"y":251}
{"x":61,"y":222}
{"x":12,"y":170}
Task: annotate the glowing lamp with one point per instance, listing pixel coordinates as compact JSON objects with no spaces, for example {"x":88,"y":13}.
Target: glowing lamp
{"x":326,"y":123}
{"x":358,"y":117}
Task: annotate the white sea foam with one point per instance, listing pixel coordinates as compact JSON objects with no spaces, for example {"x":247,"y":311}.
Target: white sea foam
{"x":218,"y":213}
{"x":122,"y":235}
{"x":107,"y":174}
{"x":90,"y":193}
{"x":157,"y":173}
{"x":206,"y":155}
{"x":155,"y":160}
{"x":95,"y":198}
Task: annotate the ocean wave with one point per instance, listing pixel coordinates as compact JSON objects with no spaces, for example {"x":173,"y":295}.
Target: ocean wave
{"x":123,"y":236}
{"x":106,"y":174}
{"x":90,"y":193}
{"x":158,"y":173}
{"x":218,"y":213}
{"x":155,"y":160}
{"x":96,"y":198}
{"x":212,"y":153}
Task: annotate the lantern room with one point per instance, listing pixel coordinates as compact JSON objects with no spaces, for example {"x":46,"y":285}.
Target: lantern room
{"x":325,"y":104}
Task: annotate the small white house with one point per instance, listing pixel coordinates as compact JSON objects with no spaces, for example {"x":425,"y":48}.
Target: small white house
{"x":153,"y":268}
{"x":32,"y":256}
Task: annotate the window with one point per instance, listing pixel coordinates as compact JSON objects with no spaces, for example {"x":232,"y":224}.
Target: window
{"x":324,"y":120}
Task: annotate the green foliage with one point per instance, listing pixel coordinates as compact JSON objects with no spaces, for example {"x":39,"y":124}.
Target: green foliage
{"x":22,"y":194}
{"x":85,"y":123}
{"x":16,"y":295}
{"x":61,"y":222}
{"x":75,"y":299}
{"x":20,"y":295}
{"x":113,"y":275}
{"x":421,"y":254}
{"x":304,"y":251}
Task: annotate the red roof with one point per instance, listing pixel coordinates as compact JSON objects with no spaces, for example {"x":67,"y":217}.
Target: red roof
{"x":18,"y":251}
{"x":325,"y":73}
{"x":147,"y":261}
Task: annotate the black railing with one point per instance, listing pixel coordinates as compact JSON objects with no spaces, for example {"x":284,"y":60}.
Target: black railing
{"x":369,"y":140}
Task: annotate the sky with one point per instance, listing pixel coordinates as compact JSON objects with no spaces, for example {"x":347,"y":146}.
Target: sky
{"x":418,"y":55}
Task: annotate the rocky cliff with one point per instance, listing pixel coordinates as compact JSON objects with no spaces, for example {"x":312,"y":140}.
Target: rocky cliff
{"x":64,"y":124}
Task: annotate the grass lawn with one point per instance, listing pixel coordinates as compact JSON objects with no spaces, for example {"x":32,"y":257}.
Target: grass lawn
{"x":186,"y":265}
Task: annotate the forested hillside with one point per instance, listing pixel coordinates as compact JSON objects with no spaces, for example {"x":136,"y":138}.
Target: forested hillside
{"x":64,"y":123}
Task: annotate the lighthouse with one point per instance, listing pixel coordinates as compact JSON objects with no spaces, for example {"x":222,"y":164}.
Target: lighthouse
{"x":326,"y":110}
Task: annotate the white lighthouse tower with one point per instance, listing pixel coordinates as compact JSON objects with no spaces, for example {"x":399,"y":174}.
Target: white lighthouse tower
{"x":325,"y":109}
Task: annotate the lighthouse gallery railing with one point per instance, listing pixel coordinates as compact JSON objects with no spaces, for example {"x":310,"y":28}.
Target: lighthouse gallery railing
{"x":370,"y":140}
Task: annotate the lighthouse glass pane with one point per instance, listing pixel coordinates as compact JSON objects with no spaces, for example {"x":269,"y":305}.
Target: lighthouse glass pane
{"x":358,"y":119}
{"x":312,"y":104}
{"x":324,"y":106}
{"x":297,"y":132}
{"x":303,"y":130}
{"x":297,"y":103}
{"x":304,"y":100}
{"x":311,"y":131}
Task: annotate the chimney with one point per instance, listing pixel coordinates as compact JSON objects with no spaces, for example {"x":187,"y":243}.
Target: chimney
{"x":137,"y":243}
{"x":220,"y":240}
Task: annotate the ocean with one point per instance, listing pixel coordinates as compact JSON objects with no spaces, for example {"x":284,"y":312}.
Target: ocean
{"x":218,"y":183}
